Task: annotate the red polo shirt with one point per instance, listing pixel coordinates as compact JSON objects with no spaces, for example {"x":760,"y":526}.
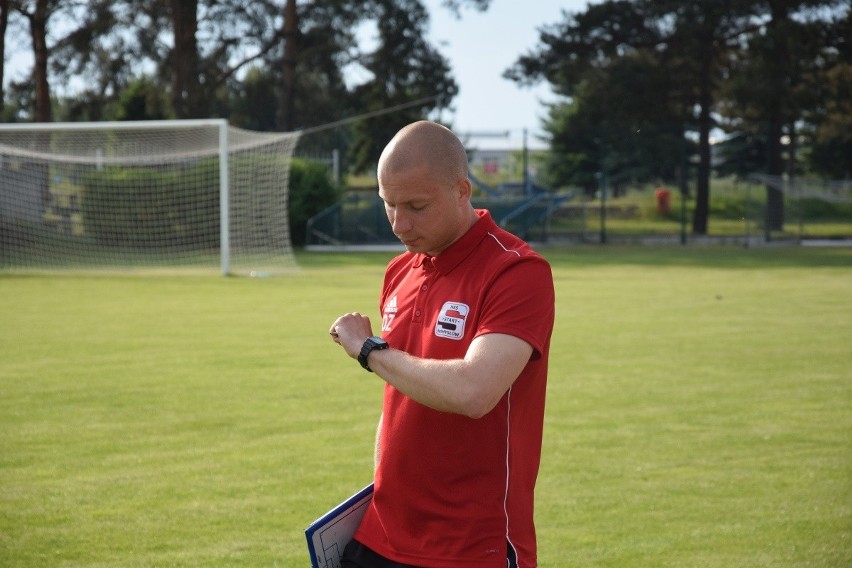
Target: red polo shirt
{"x":452,"y":491}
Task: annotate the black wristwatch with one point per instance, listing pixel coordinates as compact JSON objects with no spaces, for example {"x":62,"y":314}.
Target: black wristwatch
{"x":370,"y":344}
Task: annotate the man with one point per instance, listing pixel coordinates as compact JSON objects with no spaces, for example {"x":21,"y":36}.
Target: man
{"x":467,"y":315}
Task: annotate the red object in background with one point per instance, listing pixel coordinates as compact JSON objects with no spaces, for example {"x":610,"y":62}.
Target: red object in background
{"x":663,"y":196}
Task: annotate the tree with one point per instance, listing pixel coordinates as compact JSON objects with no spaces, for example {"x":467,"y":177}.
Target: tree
{"x":93,"y":50}
{"x":831,"y":150}
{"x":697,"y":50}
{"x":621,"y":115}
{"x":619,"y":121}
{"x":52,"y":52}
{"x":253,"y":103}
{"x":187,"y":96}
{"x":404,"y":68}
{"x":288,"y":66}
{"x":455,"y":6}
{"x":318,"y":40}
{"x":773,"y":50}
{"x":575,"y":154}
{"x":685,"y":43}
{"x":782,"y":81}
{"x":271,"y":64}
{"x":830,"y":123}
{"x":37,"y":15}
{"x":4,"y":23}
{"x":142,"y":100}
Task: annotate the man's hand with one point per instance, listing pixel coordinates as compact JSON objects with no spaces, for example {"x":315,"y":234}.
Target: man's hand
{"x":350,"y":331}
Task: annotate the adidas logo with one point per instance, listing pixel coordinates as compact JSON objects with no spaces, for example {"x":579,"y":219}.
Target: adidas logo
{"x":389,"y":314}
{"x":390,"y":307}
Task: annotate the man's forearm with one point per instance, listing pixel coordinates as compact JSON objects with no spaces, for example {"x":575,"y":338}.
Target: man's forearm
{"x":438,"y":384}
{"x":378,"y":451}
{"x":471,"y":386}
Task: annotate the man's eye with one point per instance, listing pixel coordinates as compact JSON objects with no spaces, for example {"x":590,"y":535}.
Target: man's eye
{"x":417,"y":207}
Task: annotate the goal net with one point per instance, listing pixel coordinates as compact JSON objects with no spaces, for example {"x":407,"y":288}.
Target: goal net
{"x":190,"y":194}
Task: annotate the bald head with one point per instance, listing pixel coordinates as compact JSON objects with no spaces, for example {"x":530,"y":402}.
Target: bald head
{"x":428,"y":144}
{"x":424,"y":185}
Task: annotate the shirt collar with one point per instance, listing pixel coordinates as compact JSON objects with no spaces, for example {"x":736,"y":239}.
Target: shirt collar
{"x":454,"y":254}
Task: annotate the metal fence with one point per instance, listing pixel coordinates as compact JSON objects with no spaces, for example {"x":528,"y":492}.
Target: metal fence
{"x":359,"y":219}
{"x":738,"y":214}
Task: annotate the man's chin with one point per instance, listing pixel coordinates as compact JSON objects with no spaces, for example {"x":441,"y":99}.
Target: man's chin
{"x":413,"y":246}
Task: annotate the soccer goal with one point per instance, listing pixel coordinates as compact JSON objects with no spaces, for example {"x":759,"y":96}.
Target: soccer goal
{"x":184,"y":194}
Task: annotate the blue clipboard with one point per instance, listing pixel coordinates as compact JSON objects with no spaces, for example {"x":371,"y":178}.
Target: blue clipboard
{"x":329,"y":535}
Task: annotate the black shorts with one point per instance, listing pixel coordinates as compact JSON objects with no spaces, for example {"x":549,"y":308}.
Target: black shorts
{"x":356,"y":555}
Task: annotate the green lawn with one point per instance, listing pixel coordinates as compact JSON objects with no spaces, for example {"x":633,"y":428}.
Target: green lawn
{"x":699,"y":412}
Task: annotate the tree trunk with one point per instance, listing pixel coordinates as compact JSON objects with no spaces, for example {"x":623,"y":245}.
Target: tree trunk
{"x":38,"y":30}
{"x":4,"y":21}
{"x":778,"y":68}
{"x":702,"y":183}
{"x":792,"y":149}
{"x":288,"y":67}
{"x":775,"y":167}
{"x":705,"y":124}
{"x":186,"y":91}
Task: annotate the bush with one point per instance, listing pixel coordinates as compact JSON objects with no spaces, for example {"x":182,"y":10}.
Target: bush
{"x":311,"y":191}
{"x":815,"y":209}
{"x":146,"y":208}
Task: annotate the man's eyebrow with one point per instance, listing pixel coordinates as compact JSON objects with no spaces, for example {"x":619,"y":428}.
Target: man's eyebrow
{"x":414,"y":199}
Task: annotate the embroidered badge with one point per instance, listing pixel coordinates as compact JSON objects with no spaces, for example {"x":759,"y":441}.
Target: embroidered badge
{"x":451,"y":320}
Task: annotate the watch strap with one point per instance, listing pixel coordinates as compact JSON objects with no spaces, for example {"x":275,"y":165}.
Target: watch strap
{"x":370,"y":344}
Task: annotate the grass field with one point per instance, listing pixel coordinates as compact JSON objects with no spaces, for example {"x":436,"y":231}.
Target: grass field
{"x":699,"y":412}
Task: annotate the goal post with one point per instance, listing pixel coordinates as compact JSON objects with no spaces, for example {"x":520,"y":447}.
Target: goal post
{"x":169,"y":194}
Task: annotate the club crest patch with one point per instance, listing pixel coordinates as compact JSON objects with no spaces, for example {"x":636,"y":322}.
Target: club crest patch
{"x":451,"y":320}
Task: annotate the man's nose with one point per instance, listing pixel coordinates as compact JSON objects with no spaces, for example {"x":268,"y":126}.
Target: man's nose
{"x":400,"y":222}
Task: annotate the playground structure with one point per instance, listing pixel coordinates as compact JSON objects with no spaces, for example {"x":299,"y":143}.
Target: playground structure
{"x":359,"y":219}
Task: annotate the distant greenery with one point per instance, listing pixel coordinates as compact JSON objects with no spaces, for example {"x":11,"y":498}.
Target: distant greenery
{"x":311,"y":191}
{"x":734,"y":208}
{"x":145,"y":207}
{"x":733,"y":204}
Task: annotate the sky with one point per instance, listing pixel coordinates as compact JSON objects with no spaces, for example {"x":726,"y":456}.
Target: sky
{"x":480,"y":47}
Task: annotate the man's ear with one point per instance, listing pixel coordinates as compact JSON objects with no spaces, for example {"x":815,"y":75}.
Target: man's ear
{"x":465,"y":189}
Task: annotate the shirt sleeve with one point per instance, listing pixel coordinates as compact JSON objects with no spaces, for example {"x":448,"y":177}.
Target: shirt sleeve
{"x":520,"y":302}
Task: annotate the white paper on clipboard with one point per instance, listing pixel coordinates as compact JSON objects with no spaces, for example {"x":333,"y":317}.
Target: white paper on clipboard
{"x":328,"y":535}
